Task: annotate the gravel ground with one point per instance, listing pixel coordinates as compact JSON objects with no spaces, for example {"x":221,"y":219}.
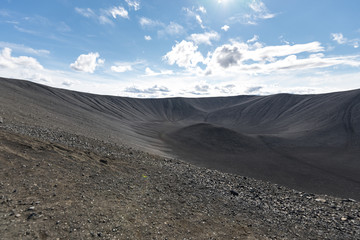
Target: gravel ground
{"x":57,"y":185}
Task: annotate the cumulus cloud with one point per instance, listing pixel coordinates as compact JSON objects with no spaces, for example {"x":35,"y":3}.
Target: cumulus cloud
{"x":119,"y":11}
{"x":10,"y":62}
{"x":204,"y":38}
{"x":225,"y":28}
{"x":340,"y":39}
{"x":87,"y":62}
{"x":133,"y":4}
{"x":184,"y":54}
{"x":22,"y":67}
{"x":147,"y":38}
{"x":121,"y":68}
{"x":227,"y":55}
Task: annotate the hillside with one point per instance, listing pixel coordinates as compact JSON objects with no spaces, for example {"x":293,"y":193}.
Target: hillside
{"x":82,"y":166}
{"x":307,"y":142}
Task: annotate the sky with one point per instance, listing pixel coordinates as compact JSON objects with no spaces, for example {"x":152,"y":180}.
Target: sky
{"x":181,"y":48}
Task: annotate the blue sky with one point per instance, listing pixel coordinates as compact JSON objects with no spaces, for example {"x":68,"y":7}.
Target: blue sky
{"x":160,"y":48}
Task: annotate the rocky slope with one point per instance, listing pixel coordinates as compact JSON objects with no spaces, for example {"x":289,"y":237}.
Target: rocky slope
{"x":57,"y":185}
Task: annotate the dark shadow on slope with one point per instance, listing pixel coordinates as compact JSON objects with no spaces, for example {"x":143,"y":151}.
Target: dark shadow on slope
{"x":316,"y":169}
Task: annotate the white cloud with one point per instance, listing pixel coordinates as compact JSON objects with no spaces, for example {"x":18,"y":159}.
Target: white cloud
{"x":225,"y":28}
{"x":254,"y":39}
{"x":104,"y":15}
{"x":10,"y":62}
{"x":147,"y":38}
{"x":260,"y":9}
{"x":227,"y":89}
{"x":270,"y":53}
{"x":252,"y":58}
{"x":150,"y":90}
{"x":192,"y":14}
{"x":204,"y":38}
{"x":103,"y":19}
{"x":87,"y":62}
{"x":257,"y":11}
{"x":340,"y":39}
{"x":150,"y":72}
{"x":305,"y":72}
{"x":86,"y":12}
{"x":67,"y":83}
{"x":23,"y":48}
{"x":199,"y":20}
{"x":26,"y":31}
{"x":254,"y":89}
{"x":202,"y":88}
{"x":283,"y":40}
{"x":256,"y":59}
{"x":121,"y":68}
{"x":201,"y":9}
{"x":22,"y":67}
{"x":89,"y":13}
{"x":119,"y":11}
{"x":173,"y":29}
{"x":147,"y":22}
{"x":134,"y":4}
{"x":184,"y":54}
{"x":227,"y":55}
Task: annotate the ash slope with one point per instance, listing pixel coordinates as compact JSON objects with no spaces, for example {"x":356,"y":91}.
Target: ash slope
{"x":307,"y":142}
